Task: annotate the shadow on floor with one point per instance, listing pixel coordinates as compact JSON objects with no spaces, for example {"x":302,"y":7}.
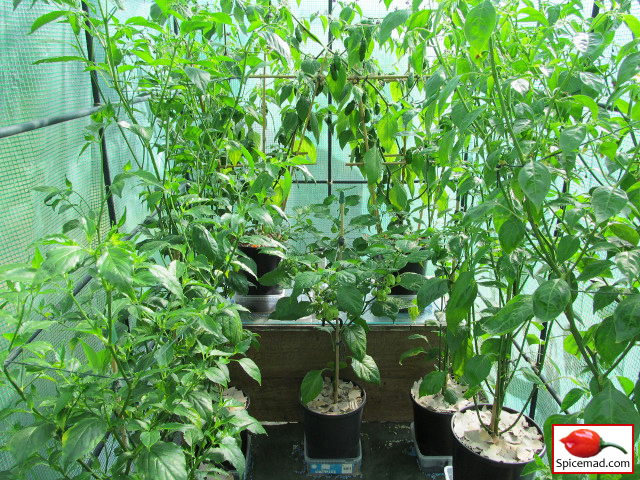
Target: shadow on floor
{"x":387,"y":454}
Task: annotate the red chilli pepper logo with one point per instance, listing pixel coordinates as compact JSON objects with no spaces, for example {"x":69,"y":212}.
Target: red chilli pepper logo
{"x":586,"y":443}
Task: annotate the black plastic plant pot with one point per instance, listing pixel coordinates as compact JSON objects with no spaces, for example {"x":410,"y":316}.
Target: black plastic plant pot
{"x":418,"y":268}
{"x":265,"y":263}
{"x":333,"y":436}
{"x":432,"y":430}
{"x":469,"y":465}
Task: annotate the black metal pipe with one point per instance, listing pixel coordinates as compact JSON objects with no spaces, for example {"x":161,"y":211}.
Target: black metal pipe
{"x":95,"y":92}
{"x":31,"y":125}
{"x":329,"y":134}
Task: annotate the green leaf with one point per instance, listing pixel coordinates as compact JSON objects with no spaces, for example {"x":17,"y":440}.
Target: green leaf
{"x":81,"y":439}
{"x":278,"y":45}
{"x":571,"y":138}
{"x":633,"y":23}
{"x":204,"y":243}
{"x":535,"y":181}
{"x":550,"y":299}
{"x":629,"y":68}
{"x":612,"y":407}
{"x":63,"y":258}
{"x":355,"y":337}
{"x":517,"y":311}
{"x":567,"y":246}
{"x":477,"y":369}
{"x":607,"y":202}
{"x":336,"y":87}
{"x":233,"y":454}
{"x":511,"y":234}
{"x":305,"y":281}
{"x":548,"y":429}
{"x":311,"y":387}
{"x":163,"y":461}
{"x":627,"y":318}
{"x":47,"y":18}
{"x":373,"y":166}
{"x":199,"y":77}
{"x":463,"y":295}
{"x":60,"y":59}
{"x":303,"y":105}
{"x":350,"y":300}
{"x":594,"y":269}
{"x":149,"y":438}
{"x":366,"y":369}
{"x":629,"y":264}
{"x":605,"y":341}
{"x":166,"y":278}
{"x":479,"y":25}
{"x":604,"y":296}
{"x":250,"y":367}
{"x":387,"y":129}
{"x":164,"y":354}
{"x":27,"y":441}
{"x":115,"y":265}
{"x":432,"y":289}
{"x":413,"y":352}
{"x":432,"y":383}
{"x":392,"y":21}
{"x":625,"y":232}
{"x":572,"y":397}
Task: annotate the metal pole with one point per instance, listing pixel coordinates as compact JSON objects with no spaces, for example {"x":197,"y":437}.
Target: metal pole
{"x":95,"y":91}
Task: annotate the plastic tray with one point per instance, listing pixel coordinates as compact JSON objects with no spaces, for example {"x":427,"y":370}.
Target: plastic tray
{"x":338,"y":466}
{"x":448,"y":473}
{"x":429,"y":464}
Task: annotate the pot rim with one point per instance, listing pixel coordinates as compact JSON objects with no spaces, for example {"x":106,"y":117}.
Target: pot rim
{"x":540,"y":453}
{"x":339,"y":415}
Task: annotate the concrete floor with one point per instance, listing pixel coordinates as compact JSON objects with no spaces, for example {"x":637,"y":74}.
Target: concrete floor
{"x":387,"y":454}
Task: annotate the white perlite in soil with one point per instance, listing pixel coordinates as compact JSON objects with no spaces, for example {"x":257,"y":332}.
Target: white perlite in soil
{"x":519,"y":444}
{"x":349,"y":399}
{"x":437,"y":403}
{"x":236,"y":399}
